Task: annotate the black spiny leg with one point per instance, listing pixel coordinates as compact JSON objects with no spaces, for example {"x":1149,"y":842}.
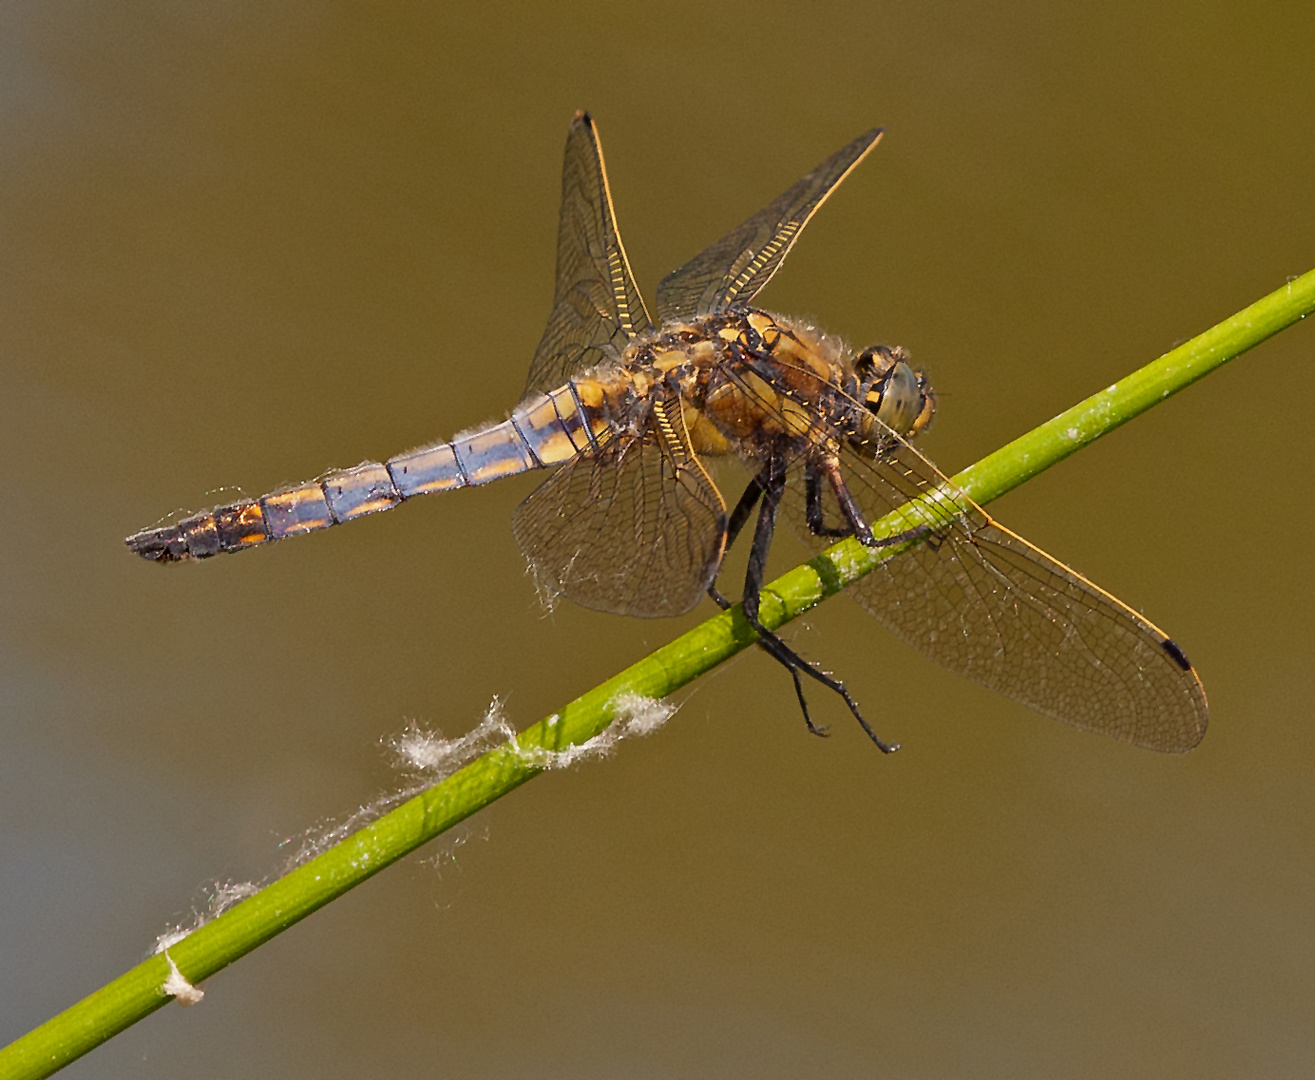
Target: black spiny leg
{"x":771,"y":484}
{"x":734,"y":526}
{"x":858,"y":525}
{"x":813,"y":507}
{"x":740,"y":515}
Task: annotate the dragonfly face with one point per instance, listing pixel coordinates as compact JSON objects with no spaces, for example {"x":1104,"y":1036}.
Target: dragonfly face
{"x":896,"y":394}
{"x":623,"y":410}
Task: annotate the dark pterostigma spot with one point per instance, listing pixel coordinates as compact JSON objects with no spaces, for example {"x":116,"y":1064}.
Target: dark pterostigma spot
{"x":1179,"y":657}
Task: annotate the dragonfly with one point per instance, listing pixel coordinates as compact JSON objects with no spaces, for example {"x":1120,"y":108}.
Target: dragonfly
{"x":626,"y":410}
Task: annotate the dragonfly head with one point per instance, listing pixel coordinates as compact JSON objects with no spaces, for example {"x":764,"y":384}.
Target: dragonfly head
{"x":892,"y":391}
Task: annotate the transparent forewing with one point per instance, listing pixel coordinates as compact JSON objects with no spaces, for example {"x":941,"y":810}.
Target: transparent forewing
{"x":987,"y":604}
{"x":596,"y":307}
{"x":739,"y":264}
{"x":635,"y":528}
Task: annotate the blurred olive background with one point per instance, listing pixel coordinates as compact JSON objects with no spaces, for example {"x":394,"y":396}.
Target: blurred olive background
{"x":242,"y":244}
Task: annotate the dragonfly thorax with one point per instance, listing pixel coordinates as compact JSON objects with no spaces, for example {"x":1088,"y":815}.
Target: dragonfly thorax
{"x":760,"y":385}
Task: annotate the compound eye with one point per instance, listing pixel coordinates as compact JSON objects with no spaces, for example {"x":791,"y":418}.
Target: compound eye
{"x":873,"y":363}
{"x":897,"y":399}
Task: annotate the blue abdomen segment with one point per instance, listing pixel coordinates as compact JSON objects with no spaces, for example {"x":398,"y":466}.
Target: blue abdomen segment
{"x":543,"y":431}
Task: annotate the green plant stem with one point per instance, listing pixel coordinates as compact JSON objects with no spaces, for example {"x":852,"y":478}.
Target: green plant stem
{"x":218,"y":943}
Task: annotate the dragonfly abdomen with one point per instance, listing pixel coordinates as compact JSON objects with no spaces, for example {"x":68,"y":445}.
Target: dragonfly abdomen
{"x":545,"y":430}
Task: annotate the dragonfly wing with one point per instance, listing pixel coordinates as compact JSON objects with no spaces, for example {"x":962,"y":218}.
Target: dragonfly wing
{"x":739,"y":264}
{"x":987,"y":604}
{"x":597,"y":308}
{"x":636,"y":527}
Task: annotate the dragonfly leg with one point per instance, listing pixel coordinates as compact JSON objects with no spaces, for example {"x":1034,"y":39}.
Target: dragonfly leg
{"x":813,"y":728}
{"x":813,"y":507}
{"x":793,"y":669}
{"x":780,"y":651}
{"x":740,"y":515}
{"x":718,"y":599}
{"x":735,"y":525}
{"x":858,"y":525}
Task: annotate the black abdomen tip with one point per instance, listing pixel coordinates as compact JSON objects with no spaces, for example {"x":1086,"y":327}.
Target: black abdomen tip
{"x":159,"y":545}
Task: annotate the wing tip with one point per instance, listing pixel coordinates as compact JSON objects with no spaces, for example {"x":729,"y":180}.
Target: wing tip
{"x":867,"y":141}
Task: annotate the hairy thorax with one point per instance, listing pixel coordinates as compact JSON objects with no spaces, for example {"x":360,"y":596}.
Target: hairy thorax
{"x":750,"y":383}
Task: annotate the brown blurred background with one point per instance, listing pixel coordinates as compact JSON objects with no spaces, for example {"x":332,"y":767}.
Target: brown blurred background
{"x":242,"y":244}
